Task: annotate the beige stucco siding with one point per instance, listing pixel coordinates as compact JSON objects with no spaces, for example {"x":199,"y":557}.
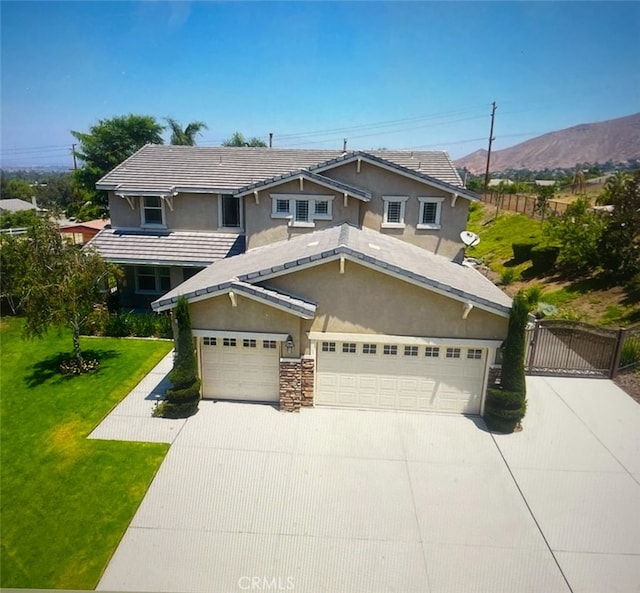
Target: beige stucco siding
{"x":262,"y":229}
{"x":218,"y":313}
{"x":381,"y":182}
{"x":191,"y":212}
{"x":366,"y":301}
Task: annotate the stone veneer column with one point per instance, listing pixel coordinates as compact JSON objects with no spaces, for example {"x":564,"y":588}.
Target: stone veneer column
{"x":307,"y":371}
{"x":290,"y":384}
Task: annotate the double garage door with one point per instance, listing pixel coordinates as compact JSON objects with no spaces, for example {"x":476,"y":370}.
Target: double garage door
{"x":400,"y":376}
{"x":240,"y":369}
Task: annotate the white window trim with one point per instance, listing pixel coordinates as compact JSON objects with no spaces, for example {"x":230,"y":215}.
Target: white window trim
{"x":221,"y":227}
{"x":311,"y":198}
{"x":387,"y":200}
{"x":152,"y":225}
{"x":428,"y":200}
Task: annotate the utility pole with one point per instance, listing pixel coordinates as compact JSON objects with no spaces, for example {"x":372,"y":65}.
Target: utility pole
{"x":75,"y":162}
{"x":491,"y":139}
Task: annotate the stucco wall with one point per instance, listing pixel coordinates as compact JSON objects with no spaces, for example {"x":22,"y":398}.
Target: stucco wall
{"x":195,"y":212}
{"x":445,"y":241}
{"x":262,"y":229}
{"x":218,"y":314}
{"x":366,"y":301}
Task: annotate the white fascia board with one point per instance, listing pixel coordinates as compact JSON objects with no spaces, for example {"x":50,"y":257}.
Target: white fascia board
{"x":161,"y":193}
{"x":240,"y":335}
{"x":402,"y":340}
{"x":157,"y":262}
{"x":432,"y":182}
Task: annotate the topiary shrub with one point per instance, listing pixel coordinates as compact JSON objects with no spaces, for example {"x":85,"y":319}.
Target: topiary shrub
{"x":504,"y":410}
{"x":522,"y":251}
{"x":543,"y":258}
{"x":506,"y":406}
{"x":184,"y":394}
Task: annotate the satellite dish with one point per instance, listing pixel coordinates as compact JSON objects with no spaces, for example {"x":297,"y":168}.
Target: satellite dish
{"x":469,"y":239}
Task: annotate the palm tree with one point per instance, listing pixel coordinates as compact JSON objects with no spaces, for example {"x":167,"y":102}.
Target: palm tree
{"x":186,"y":137}
{"x":238,"y":139}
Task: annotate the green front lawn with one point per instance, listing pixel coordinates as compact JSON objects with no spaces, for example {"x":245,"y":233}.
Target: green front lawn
{"x":66,"y":500}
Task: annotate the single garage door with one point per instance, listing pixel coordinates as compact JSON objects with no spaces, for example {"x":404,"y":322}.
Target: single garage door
{"x":400,"y":377}
{"x":240,"y":369}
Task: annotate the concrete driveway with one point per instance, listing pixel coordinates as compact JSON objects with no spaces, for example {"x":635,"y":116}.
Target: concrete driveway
{"x":251,"y":499}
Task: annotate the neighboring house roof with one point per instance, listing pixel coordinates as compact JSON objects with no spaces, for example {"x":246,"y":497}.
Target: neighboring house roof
{"x":169,"y":248}
{"x":369,"y":248}
{"x":545,"y":182}
{"x":97,"y":225}
{"x":16,"y":205}
{"x":169,"y":169}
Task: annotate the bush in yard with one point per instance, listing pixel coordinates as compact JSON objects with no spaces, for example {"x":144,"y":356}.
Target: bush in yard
{"x":182,"y":398}
{"x":543,"y":258}
{"x":505,"y":407}
{"x":522,"y":251}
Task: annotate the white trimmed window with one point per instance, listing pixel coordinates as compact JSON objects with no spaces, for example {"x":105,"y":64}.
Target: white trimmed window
{"x":348,"y":348}
{"x":453,"y":352}
{"x":474,"y":353}
{"x":301,"y":210}
{"x":394,"y":207}
{"x":152,"y":279}
{"x":152,"y":211}
{"x":432,"y":352}
{"x":369,"y":348}
{"x":430,"y":212}
{"x":390,"y":350}
{"x":269,"y":344}
{"x":328,"y":346}
{"x":249,"y":343}
{"x":229,"y":342}
{"x":411,"y":351}
{"x":209,"y":341}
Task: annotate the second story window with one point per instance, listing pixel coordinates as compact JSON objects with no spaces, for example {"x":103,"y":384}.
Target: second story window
{"x":301,"y":209}
{"x":394,"y":206}
{"x":430,"y":209}
{"x":230,"y":213}
{"x":152,"y":211}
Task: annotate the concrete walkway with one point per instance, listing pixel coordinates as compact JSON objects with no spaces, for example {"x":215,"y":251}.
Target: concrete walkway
{"x":327,"y":500}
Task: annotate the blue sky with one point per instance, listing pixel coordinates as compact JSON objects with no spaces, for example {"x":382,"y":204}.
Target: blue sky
{"x":416,"y":75}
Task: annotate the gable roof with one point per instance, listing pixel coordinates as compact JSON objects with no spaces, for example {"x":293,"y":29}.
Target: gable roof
{"x":16,"y":205}
{"x":381,"y":252}
{"x":223,"y":169}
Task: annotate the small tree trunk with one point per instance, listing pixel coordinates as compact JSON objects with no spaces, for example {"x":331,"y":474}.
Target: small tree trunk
{"x":76,"y":344}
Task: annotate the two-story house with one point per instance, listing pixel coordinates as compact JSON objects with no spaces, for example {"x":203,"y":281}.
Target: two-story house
{"x":315,"y":277}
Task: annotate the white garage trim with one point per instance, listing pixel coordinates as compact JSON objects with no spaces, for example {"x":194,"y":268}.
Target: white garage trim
{"x":379,"y":338}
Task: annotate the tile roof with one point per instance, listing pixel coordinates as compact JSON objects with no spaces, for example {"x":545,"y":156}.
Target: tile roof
{"x":297,"y":305}
{"x":381,"y":252}
{"x":15,"y":205}
{"x":167,"y":168}
{"x":166,"y":248}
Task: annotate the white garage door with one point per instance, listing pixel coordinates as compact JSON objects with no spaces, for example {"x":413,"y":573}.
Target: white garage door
{"x":400,"y":377}
{"x":240,"y":369}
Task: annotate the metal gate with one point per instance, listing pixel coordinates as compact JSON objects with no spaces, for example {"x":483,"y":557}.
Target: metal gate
{"x":572,"y":349}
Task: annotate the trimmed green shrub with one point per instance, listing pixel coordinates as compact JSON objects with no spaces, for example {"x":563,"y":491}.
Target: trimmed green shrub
{"x":504,"y":410}
{"x":522,"y":251}
{"x":184,"y":394}
{"x":543,"y":258}
{"x":513,"y":378}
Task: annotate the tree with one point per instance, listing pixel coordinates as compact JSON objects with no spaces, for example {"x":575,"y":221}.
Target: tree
{"x":186,"y":137}
{"x":17,"y":189}
{"x":544,"y":193}
{"x":110,"y":142}
{"x":620,"y":242}
{"x":54,"y":283}
{"x":182,"y":398}
{"x":578,"y":232}
{"x":238,"y":139}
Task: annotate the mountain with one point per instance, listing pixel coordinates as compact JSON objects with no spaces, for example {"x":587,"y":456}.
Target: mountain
{"x":616,"y":140}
